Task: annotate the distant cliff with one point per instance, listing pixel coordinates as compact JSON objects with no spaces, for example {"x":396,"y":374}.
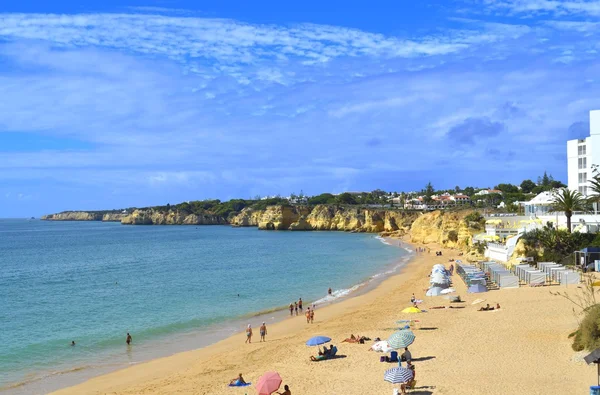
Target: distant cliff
{"x":84,"y":216}
{"x":171,"y":217}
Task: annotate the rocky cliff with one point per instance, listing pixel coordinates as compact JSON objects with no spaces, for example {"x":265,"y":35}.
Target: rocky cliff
{"x":324,"y":217}
{"x":74,"y":216}
{"x":113,"y":217}
{"x":446,"y":228}
{"x":171,"y":217}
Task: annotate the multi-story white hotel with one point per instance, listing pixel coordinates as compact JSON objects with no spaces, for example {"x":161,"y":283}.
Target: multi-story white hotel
{"x":582,"y":154}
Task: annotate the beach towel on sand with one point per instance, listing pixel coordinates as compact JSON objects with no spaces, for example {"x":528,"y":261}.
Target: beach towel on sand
{"x":381,"y":346}
{"x":240,"y":385}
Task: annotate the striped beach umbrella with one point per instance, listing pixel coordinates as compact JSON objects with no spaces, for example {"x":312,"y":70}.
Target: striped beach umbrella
{"x":398,"y":375}
{"x":401,"y":339}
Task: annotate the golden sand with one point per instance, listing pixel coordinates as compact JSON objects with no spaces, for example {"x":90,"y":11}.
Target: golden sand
{"x":521,"y":349}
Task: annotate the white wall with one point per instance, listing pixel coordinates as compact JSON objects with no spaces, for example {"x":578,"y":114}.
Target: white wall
{"x":572,"y":170}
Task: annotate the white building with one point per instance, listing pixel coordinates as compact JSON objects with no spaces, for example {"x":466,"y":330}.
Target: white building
{"x":582,"y":154}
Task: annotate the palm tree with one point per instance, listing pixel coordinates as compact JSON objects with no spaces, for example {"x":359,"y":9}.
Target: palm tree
{"x":568,"y":201}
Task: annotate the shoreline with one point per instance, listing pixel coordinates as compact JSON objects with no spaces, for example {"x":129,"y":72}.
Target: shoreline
{"x":517,"y":349}
{"x":193,"y":340}
{"x":327,"y":308}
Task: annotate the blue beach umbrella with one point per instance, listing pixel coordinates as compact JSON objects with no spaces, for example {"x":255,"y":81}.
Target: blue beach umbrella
{"x":398,"y":375}
{"x":318,"y":340}
{"x":401,"y":339}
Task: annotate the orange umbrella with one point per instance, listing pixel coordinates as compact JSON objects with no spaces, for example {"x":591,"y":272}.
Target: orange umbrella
{"x":268,"y":383}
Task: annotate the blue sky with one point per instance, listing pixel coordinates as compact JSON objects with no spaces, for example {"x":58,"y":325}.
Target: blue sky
{"x":114,"y":104}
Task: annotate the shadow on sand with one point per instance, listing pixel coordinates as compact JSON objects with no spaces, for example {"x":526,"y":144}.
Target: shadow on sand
{"x":423,"y":359}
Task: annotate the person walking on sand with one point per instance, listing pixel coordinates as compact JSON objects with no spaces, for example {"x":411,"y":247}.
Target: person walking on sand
{"x":291,"y":309}
{"x":308,"y":315}
{"x":296,"y":307}
{"x":263,"y":332}
{"x":312,"y":315}
{"x":129,"y":339}
{"x":249,"y":334}
{"x":300,"y":304}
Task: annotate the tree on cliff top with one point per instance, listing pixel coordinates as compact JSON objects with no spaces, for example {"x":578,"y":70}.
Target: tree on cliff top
{"x":345,"y":198}
{"x":324,"y":198}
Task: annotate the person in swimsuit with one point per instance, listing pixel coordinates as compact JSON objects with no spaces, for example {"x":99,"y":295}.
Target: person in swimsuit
{"x":312,"y":316}
{"x":249,"y":334}
{"x":287,"y":390}
{"x":308,"y":315}
{"x":263,"y":332}
{"x":73,"y":343}
{"x":291,"y":309}
{"x":300,"y":304}
{"x":238,"y":380}
{"x":329,"y":291}
{"x":296,"y":307}
{"x":129,"y":339}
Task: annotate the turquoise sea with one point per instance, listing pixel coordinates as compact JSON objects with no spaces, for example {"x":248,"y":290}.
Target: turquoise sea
{"x":172,"y":287}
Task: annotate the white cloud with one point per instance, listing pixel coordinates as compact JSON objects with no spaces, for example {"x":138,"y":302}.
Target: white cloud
{"x":226,"y":41}
{"x":555,"y":7}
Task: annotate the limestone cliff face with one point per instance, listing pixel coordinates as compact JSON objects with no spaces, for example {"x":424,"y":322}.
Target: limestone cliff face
{"x":446,"y":228}
{"x":324,"y":217}
{"x":247,"y":217}
{"x":73,"y":216}
{"x":281,"y":217}
{"x":113,"y":217}
{"x":153,"y":217}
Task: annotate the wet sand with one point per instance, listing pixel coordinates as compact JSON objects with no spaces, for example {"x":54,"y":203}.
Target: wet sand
{"x":522,"y":348}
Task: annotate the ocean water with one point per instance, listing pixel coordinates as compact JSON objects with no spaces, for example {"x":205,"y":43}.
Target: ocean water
{"x":172,"y":287}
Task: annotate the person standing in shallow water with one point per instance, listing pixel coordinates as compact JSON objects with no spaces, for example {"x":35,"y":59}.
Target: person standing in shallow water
{"x":129,"y":339}
{"x":300,"y":304}
{"x":296,"y":307}
{"x":312,"y":315}
{"x":291,"y":309}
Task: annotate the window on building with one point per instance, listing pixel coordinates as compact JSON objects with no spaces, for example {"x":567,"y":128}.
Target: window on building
{"x":582,"y":178}
{"x":583,"y":190}
{"x":581,"y":150}
{"x":582,"y":162}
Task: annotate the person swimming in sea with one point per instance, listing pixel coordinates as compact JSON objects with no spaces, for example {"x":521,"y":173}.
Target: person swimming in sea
{"x":129,"y":339}
{"x":73,"y":343}
{"x":329,"y":291}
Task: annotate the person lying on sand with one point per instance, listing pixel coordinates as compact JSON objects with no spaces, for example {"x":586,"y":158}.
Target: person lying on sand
{"x":486,"y":308}
{"x":356,"y":339}
{"x":238,"y":380}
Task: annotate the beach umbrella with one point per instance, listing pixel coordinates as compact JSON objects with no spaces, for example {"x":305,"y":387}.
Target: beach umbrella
{"x":434,"y":291}
{"x":318,"y":340}
{"x":268,"y":383}
{"x":398,"y":375}
{"x":401,"y":339}
{"x":411,"y":310}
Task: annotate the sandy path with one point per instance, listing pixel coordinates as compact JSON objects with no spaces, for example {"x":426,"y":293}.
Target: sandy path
{"x":523,"y":348}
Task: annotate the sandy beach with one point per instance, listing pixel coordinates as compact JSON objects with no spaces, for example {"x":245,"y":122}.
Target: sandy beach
{"x":522,"y":348}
